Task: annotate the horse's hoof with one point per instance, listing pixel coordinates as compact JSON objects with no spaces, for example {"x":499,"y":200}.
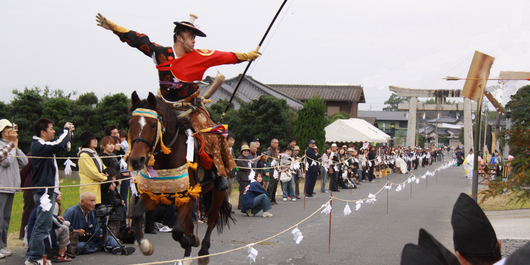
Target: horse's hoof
{"x":204,"y":261}
{"x":197,"y":242}
{"x":145,"y":247}
{"x":187,"y":262}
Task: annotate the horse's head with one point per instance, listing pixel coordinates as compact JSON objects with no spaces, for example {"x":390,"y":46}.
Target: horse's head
{"x":143,"y":129}
{"x":153,"y":123}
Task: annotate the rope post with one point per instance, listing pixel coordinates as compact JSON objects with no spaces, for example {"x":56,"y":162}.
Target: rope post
{"x":387,"y":181}
{"x":305,"y":180}
{"x":329,"y":237}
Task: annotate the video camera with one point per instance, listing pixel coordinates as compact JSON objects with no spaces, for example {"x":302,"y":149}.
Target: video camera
{"x":103,"y":210}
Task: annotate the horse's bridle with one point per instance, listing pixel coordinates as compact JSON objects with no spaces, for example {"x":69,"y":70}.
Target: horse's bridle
{"x":148,"y":113}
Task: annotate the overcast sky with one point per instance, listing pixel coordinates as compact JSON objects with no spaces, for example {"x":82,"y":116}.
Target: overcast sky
{"x":369,"y":43}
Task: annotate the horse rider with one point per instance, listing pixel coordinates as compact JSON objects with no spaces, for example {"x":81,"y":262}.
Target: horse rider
{"x":179,"y":68}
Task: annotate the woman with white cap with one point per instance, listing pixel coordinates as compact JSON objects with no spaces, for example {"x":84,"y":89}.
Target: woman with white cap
{"x":10,"y":177}
{"x":242,"y":172}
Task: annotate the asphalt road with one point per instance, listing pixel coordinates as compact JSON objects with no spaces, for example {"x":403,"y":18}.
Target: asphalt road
{"x":366,"y":236}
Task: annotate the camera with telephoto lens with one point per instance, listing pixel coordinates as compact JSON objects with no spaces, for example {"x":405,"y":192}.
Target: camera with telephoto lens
{"x":103,"y":210}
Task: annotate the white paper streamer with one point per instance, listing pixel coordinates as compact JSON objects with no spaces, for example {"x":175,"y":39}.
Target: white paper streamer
{"x":398,"y":189}
{"x":297,"y":234}
{"x":371,"y":198}
{"x":417,"y":181}
{"x":68,"y":164}
{"x":347,"y":210}
{"x":252,"y":253}
{"x":275,"y":174}
{"x":295,"y":165}
{"x":389,"y":186}
{"x":45,"y":201}
{"x":358,"y":205}
{"x":133,"y":188}
{"x":327,"y":209}
{"x":413,"y":178}
{"x":252,"y":175}
{"x":123,"y":164}
{"x":190,"y":145}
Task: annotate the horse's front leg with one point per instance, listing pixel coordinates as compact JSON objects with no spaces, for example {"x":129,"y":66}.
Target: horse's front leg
{"x":138,"y":217}
{"x":183,"y":230}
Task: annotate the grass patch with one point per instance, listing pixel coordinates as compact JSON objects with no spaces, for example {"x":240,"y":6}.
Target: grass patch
{"x":502,"y":202}
{"x":70,"y":198}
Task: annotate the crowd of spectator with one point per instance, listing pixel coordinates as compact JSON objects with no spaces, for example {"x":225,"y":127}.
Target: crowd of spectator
{"x":258,"y":173}
{"x":339,"y":167}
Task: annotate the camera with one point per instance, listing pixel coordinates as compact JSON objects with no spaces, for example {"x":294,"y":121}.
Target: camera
{"x":103,"y":210}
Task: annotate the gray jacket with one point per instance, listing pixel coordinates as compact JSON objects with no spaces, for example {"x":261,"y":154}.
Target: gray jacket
{"x":10,"y":168}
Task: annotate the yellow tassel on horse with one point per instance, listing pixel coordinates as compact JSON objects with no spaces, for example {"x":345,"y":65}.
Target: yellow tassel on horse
{"x":180,"y":199}
{"x":165,"y":150}
{"x":195,"y":191}
{"x":152,"y":196}
{"x":164,"y":198}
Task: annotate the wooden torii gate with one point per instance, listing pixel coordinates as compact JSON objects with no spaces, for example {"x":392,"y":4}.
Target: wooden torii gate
{"x":440,"y":96}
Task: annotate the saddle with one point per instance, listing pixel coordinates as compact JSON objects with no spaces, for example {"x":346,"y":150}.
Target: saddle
{"x":212,"y":153}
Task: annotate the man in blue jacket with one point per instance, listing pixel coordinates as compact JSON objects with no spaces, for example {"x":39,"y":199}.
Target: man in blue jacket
{"x":83,"y":221}
{"x":45,"y":174}
{"x":312,"y":171}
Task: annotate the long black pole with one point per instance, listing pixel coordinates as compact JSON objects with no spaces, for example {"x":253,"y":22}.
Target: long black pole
{"x":249,"y":63}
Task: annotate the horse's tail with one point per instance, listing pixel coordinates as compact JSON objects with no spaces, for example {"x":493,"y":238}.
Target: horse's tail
{"x":225,"y":212}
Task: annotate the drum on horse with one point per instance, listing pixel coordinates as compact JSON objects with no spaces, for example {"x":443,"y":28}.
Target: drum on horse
{"x":165,"y":176}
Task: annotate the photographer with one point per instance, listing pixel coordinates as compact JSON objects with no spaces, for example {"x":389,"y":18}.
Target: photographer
{"x":90,"y":165}
{"x":45,"y":174}
{"x":10,"y":177}
{"x":84,"y":223}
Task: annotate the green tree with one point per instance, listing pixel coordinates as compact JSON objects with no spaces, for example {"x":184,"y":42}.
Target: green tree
{"x":519,"y":106}
{"x":394,"y":101}
{"x":518,"y":138}
{"x":216,"y":109}
{"x":26,"y":107}
{"x":84,"y":117}
{"x":114,"y":110}
{"x":399,"y":138}
{"x":421,"y":140}
{"x":264,"y":118}
{"x":339,"y":115}
{"x":311,"y":123}
{"x":58,"y":110}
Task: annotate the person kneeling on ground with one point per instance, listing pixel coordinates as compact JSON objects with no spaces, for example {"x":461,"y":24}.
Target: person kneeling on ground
{"x":255,"y":199}
{"x":84,"y":222}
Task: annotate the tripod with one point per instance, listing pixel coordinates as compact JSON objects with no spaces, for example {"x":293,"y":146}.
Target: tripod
{"x":105,"y":229}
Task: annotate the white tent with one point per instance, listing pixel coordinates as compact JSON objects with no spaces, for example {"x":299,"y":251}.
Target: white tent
{"x":354,"y":130}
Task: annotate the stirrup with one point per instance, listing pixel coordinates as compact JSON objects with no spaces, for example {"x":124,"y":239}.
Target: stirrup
{"x":221,"y":183}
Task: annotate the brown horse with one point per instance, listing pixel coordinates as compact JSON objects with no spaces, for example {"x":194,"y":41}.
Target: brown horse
{"x":152,"y":125}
